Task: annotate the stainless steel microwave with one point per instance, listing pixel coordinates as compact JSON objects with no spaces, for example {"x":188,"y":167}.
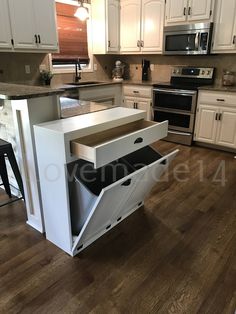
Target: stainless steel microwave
{"x":192,"y":39}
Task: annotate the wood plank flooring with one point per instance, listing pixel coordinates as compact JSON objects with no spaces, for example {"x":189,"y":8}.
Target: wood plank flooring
{"x":177,"y":254}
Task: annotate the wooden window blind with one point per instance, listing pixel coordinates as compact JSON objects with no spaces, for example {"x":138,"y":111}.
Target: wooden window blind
{"x":72,"y":33}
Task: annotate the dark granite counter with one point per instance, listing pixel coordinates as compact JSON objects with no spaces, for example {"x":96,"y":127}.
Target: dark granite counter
{"x":18,"y":91}
{"x":219,"y":88}
{"x":73,"y":107}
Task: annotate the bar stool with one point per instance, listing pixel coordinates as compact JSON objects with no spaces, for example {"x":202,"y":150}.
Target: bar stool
{"x":6,"y":150}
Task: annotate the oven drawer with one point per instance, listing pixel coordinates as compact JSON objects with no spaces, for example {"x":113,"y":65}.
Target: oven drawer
{"x":214,"y":98}
{"x":104,"y":147}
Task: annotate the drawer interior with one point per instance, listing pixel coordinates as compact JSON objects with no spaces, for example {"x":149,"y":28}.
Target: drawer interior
{"x":111,"y":134}
{"x":97,"y":179}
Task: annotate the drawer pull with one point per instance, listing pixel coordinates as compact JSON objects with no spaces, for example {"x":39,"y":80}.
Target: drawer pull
{"x":138,"y":140}
{"x":126,"y":183}
{"x":136,"y":92}
{"x":220,"y":99}
{"x":163,"y":162}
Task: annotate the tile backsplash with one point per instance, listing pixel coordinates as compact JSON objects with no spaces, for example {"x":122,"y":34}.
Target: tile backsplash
{"x":12,"y":66}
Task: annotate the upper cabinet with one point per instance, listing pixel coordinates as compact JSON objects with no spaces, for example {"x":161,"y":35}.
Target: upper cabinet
{"x":105,"y":26}
{"x":142,"y":25}
{"x":224,"y":37}
{"x":5,"y":27}
{"x":29,"y":25}
{"x":188,"y":11}
{"x":33,"y":24}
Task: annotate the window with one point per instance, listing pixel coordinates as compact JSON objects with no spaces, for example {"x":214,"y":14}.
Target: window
{"x":74,"y":39}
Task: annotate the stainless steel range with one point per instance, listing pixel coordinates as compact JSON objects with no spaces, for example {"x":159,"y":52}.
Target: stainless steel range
{"x":176,"y":101}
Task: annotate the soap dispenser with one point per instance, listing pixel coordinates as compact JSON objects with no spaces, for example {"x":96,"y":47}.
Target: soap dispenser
{"x":145,"y":69}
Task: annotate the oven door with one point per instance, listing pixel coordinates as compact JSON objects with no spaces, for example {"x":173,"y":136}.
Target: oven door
{"x":175,"y":99}
{"x":178,"y":121}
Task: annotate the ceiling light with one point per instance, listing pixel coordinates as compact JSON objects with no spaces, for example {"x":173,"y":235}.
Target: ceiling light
{"x":82,"y":12}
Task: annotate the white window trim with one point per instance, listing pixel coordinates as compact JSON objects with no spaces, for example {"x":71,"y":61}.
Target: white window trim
{"x":71,"y":68}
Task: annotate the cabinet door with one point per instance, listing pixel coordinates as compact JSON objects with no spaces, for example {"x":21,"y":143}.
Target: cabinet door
{"x":46,"y":28}
{"x":152,"y":25}
{"x":176,"y":11}
{"x":206,"y":125}
{"x":23,"y":24}
{"x":130,"y":25}
{"x":5,"y":28}
{"x":226,"y":135}
{"x":129,"y":102}
{"x":224,"y":38}
{"x":151,"y":175}
{"x":145,"y":104}
{"x":113,"y":25}
{"x":199,"y":10}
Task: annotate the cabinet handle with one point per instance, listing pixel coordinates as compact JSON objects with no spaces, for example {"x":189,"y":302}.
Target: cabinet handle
{"x":220,"y":116}
{"x":184,"y":11}
{"x":234,"y":39}
{"x":142,"y":43}
{"x":109,"y":43}
{"x":39,"y":39}
{"x":216,"y":117}
{"x":36,"y":38}
{"x":138,"y":43}
{"x":189,"y":11}
{"x":138,"y":140}
{"x":126,"y":183}
{"x":220,"y":99}
{"x":136,"y":92}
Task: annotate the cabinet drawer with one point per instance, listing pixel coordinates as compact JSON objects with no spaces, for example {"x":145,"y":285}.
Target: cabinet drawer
{"x":137,"y":91}
{"x":217,"y":98}
{"x":104,"y":147}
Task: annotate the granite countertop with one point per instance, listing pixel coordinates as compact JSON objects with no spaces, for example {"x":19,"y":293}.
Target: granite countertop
{"x":74,"y":107}
{"x":18,"y":91}
{"x":219,"y":88}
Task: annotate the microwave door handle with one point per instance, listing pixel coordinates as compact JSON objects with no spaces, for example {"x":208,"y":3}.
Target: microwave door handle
{"x":197,"y":41}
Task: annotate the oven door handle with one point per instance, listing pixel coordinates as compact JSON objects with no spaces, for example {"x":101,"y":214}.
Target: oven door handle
{"x":197,"y":41}
{"x":182,"y":92}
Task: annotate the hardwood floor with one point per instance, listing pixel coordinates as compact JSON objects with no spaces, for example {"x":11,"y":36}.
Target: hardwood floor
{"x":175,"y":255}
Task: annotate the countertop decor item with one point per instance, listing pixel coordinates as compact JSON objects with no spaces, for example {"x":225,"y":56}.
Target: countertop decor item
{"x":228,"y":78}
{"x":118,"y":71}
{"x":46,"y":77}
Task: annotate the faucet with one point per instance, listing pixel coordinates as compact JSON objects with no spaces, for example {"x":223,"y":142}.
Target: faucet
{"x":77,"y":73}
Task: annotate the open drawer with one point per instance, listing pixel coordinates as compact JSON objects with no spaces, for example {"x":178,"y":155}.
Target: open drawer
{"x":104,"y":147}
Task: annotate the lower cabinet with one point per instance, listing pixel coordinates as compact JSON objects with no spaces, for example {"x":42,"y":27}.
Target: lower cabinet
{"x":101,"y":198}
{"x":216,"y":119}
{"x":138,"y":97}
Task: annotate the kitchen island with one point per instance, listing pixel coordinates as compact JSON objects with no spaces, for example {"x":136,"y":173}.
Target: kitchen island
{"x":21,"y":107}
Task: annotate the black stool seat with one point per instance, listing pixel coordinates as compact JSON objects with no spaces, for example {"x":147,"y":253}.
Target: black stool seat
{"x":6,"y":150}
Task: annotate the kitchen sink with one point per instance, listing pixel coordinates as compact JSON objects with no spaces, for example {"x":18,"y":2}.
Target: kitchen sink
{"x":85,"y":83}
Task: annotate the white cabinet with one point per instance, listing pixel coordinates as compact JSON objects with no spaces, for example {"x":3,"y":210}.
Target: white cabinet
{"x":5,"y":27}
{"x":105,"y":26}
{"x":89,"y":200}
{"x":142,"y":25}
{"x":224,"y":36}
{"x":138,"y":97}
{"x":216,"y":119}
{"x":188,"y":11}
{"x":33,"y":25}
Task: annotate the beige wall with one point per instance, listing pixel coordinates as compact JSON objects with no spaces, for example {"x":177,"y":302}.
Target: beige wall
{"x":12,"y":66}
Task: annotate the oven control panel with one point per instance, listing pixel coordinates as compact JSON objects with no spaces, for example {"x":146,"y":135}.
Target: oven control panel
{"x":192,"y":72}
